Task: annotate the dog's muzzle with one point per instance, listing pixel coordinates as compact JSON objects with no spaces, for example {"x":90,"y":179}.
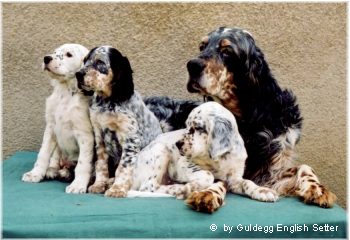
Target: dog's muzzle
{"x":195,"y":69}
{"x":80,"y":77}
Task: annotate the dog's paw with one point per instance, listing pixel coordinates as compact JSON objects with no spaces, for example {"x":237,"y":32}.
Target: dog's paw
{"x":116,"y":191}
{"x":51,"y":173}
{"x":265,"y":194}
{"x":76,"y":187}
{"x":204,"y":201}
{"x":98,"y":187}
{"x":319,"y":195}
{"x":65,"y":175}
{"x":32,"y":176}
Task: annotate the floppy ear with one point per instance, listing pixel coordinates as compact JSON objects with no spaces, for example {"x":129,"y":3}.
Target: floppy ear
{"x":123,"y":85}
{"x":220,"y":137}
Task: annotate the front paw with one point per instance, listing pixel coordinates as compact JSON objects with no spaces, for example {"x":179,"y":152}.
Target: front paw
{"x":204,"y":201}
{"x":265,"y":194}
{"x":116,"y":191}
{"x":51,"y":173}
{"x":98,"y":187}
{"x":319,"y":195}
{"x":76,"y":187}
{"x":33,"y":177}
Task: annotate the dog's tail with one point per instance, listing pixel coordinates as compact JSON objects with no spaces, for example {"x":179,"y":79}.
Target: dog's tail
{"x":137,"y":194}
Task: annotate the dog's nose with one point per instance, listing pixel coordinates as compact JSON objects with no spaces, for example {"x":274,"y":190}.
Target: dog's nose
{"x":80,"y":76}
{"x":179,"y":144}
{"x":47,"y":59}
{"x":195,"y":67}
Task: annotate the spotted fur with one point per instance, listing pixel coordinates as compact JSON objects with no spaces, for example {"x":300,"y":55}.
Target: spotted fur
{"x":117,"y":113}
{"x":68,"y":138}
{"x":231,"y":69}
{"x":209,"y":148}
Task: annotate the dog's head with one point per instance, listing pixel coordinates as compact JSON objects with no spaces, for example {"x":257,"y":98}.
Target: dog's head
{"x":211,"y":132}
{"x":108,"y":73}
{"x":65,"y":61}
{"x":229,"y":63}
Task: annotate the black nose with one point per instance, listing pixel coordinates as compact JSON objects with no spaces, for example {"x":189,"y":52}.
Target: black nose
{"x":195,"y":67}
{"x":47,"y":59}
{"x":179,"y":144}
{"x":80,"y":76}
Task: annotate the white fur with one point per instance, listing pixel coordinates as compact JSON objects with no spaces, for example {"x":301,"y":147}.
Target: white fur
{"x":68,"y":134}
{"x":212,"y":149}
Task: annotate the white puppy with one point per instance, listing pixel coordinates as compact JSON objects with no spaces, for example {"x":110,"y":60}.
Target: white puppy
{"x":68,"y":135}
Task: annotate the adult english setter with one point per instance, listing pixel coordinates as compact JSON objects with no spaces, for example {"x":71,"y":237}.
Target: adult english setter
{"x":68,"y":137}
{"x":231,"y":70}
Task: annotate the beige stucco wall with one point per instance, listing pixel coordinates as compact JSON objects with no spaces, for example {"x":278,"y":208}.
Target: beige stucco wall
{"x":304,"y":43}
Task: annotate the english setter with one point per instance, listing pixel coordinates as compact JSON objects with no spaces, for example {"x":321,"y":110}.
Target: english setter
{"x":118,"y":115}
{"x":68,"y":136}
{"x":231,"y":69}
{"x":209,"y":148}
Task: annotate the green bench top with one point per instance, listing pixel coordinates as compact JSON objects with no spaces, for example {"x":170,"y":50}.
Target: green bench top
{"x":43,"y":210}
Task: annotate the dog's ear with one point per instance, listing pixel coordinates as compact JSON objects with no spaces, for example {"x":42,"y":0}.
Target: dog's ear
{"x":255,"y":64}
{"x":123,"y":85}
{"x":220,"y":137}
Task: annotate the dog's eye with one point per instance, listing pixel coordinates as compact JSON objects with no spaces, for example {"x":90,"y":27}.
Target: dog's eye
{"x":68,"y":54}
{"x":200,"y":129}
{"x":225,"y":52}
{"x":99,"y":62}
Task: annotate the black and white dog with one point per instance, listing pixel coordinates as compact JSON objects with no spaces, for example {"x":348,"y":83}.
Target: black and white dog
{"x":118,"y":115}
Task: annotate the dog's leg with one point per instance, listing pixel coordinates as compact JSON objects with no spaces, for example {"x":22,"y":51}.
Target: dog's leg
{"x":200,"y":191}
{"x":101,"y":165}
{"x":54,"y":165}
{"x":83,"y":169}
{"x":40,"y":167}
{"x":124,"y":174}
{"x":249,"y":188}
{"x":302,"y":181}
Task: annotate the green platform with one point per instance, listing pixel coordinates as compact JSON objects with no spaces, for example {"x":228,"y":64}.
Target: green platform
{"x":43,"y":210}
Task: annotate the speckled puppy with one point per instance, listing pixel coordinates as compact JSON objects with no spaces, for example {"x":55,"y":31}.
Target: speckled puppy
{"x":118,"y":114}
{"x":209,"y":148}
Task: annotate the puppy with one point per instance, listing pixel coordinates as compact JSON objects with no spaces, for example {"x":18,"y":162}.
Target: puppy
{"x":68,"y":137}
{"x":209,"y":148}
{"x":119,"y":118}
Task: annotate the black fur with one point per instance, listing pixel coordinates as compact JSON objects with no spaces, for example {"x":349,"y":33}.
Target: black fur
{"x":123,"y":85}
{"x":172,"y":111}
{"x":267,"y":111}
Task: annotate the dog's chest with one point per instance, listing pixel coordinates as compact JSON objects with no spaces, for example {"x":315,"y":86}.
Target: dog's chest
{"x":66,"y":111}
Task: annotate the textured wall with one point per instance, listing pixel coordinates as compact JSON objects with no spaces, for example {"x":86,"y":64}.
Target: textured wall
{"x":304,"y":43}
